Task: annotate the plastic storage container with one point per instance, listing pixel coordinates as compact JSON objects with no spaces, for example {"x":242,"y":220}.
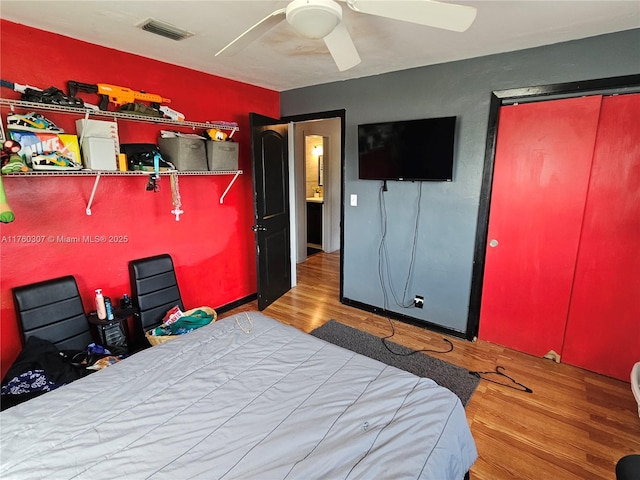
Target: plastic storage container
{"x":99,"y":154}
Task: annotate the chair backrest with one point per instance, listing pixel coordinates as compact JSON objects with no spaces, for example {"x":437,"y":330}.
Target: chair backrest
{"x":52,"y":310}
{"x":635,"y":383}
{"x":154,"y":290}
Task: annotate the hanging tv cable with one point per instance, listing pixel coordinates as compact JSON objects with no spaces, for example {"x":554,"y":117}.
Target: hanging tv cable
{"x":383,"y":255}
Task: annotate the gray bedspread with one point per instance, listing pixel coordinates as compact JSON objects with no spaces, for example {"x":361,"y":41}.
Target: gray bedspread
{"x":246,"y":397}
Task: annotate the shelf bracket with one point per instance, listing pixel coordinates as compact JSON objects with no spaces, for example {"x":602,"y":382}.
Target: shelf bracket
{"x":84,"y":129}
{"x":93,"y":193}
{"x":224,"y":194}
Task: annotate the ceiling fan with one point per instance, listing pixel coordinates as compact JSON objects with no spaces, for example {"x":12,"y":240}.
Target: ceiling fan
{"x":317,"y":19}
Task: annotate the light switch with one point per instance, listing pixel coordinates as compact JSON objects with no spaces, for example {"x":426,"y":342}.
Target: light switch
{"x":354,"y":200}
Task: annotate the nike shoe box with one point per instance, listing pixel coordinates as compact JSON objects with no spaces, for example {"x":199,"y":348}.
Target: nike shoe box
{"x":222,"y":156}
{"x":186,"y":154}
{"x":36,"y":143}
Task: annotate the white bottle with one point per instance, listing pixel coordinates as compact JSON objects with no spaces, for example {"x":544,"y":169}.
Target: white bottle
{"x":100,"y":307}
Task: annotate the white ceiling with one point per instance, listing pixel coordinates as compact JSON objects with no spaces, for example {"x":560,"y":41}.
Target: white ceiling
{"x":281,"y":60}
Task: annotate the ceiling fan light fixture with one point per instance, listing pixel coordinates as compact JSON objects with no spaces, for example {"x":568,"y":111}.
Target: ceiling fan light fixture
{"x":314,"y":18}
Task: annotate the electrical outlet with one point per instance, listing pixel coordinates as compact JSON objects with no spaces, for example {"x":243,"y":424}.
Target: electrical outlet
{"x":418,"y":301}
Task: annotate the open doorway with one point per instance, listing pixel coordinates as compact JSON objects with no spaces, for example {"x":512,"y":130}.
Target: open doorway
{"x":314,"y":147}
{"x":330,"y":127}
{"x":317,"y":167}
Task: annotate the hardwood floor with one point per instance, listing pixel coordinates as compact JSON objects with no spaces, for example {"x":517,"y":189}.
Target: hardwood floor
{"x":575,"y":425}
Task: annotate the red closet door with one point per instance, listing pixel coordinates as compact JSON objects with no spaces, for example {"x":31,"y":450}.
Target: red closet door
{"x":603,"y":329}
{"x":541,"y":174}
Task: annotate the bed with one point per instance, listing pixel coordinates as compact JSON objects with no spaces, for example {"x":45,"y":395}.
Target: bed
{"x":246,"y":397}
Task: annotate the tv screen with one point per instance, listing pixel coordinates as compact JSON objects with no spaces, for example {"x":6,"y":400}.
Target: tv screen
{"x":407,"y":150}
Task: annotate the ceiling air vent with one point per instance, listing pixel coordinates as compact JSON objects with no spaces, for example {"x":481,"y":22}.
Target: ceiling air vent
{"x":164,"y":29}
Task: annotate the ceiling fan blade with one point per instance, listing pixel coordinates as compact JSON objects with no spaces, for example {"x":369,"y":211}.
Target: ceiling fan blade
{"x":253,"y":33}
{"x":431,"y":13}
{"x":341,"y":47}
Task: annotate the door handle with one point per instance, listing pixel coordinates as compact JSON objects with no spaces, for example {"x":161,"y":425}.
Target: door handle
{"x":258,"y":228}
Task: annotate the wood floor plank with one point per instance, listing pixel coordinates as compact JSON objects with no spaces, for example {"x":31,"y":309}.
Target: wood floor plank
{"x":575,"y":425}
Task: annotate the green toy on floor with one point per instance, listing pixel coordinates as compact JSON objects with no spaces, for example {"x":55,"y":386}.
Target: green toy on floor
{"x":11,"y":162}
{"x":6,"y":214}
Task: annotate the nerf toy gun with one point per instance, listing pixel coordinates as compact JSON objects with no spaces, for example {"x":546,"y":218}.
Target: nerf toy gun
{"x":18,"y":87}
{"x":114,"y":94}
{"x":171,"y":113}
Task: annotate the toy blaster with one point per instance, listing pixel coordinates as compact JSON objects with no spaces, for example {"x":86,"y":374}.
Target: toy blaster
{"x":114,"y":94}
{"x":51,"y":95}
{"x":17,"y":87}
{"x":171,"y":113}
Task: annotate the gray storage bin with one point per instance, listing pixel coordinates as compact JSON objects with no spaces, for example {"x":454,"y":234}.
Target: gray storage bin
{"x":222,"y":155}
{"x":184,"y":153}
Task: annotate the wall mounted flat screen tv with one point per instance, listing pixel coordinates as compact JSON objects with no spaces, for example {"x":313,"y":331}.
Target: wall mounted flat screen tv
{"x":411,"y":150}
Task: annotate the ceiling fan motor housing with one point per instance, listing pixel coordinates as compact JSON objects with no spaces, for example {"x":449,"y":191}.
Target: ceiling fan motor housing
{"x":314,"y":18}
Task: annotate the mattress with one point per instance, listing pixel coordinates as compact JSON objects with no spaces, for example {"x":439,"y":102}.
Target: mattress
{"x":246,"y":397}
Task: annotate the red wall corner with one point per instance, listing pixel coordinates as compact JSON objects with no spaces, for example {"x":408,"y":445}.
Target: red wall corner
{"x":212,"y":244}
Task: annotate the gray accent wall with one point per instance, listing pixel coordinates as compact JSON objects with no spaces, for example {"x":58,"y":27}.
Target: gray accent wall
{"x":447,"y":211}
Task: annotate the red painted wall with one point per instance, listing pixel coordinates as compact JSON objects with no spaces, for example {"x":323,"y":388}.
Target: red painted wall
{"x":212,"y":245}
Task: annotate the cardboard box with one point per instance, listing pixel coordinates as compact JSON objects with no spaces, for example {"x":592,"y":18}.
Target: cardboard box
{"x":222,"y":156}
{"x":99,"y":154}
{"x":184,"y":153}
{"x":32,"y":142}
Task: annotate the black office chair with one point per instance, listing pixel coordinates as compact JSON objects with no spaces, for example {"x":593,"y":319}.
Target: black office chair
{"x":48,"y":312}
{"x":52,"y":310}
{"x":154,"y":290}
{"x":628,"y":468}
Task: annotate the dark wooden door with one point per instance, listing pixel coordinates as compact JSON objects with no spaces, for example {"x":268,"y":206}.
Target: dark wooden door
{"x":269,"y":146}
{"x":541,"y":176}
